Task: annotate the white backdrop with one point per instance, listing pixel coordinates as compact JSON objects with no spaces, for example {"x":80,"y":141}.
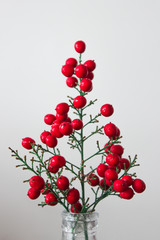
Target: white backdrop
{"x":122,"y":36}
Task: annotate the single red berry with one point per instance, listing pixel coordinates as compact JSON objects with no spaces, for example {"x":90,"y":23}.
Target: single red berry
{"x":77,"y":124}
{"x":108,"y":182}
{"x":110,"y":130}
{"x":107,"y":110}
{"x":37,"y":182}
{"x":103,"y":184}
{"x":117,"y":168}
{"x":118,"y":132}
{"x":51,"y":199}
{"x":112,"y":159}
{"x":90,"y":75}
{"x":67,"y":70}
{"x":101,"y":169}
{"x":117,"y":149}
{"x":56,"y":122}
{"x":73,"y":196}
{"x":90,"y":64}
{"x":127,"y":194}
{"x":53,"y":169}
{"x":119,"y":185}
{"x":66,"y":128}
{"x":51,"y":141}
{"x":128,"y":179}
{"x":81,"y":71}
{"x":68,"y":119}
{"x":71,"y":82}
{"x":58,"y":160}
{"x":79,"y":101}
{"x":86,"y":85}
{"x":111,"y":174}
{"x":125,"y":163}
{"x":33,"y":193}
{"x":107,"y":147}
{"x":44,"y":135}
{"x":61,"y":117}
{"x":138,"y":185}
{"x":44,"y":191}
{"x":55,"y":131}
{"x":71,"y":61}
{"x":62,"y":108}
{"x":63,"y":183}
{"x":80,"y":46}
{"x":49,"y":119}
{"x":26,"y":142}
{"x":93,"y":180}
{"x":76,"y":208}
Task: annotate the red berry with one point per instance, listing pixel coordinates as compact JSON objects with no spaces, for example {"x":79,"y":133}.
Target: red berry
{"x":68,"y":119}
{"x":118,"y":132}
{"x":110,"y":130}
{"x":61,"y":117}
{"x":101,"y":169}
{"x":90,"y":64}
{"x":62,"y":108}
{"x":56,"y":132}
{"x":51,"y":141}
{"x":86,"y":85}
{"x":71,"y":82}
{"x":81,"y":71}
{"x":103,"y":184}
{"x":26,"y":142}
{"x":107,"y":147}
{"x":111,"y":174}
{"x":56,"y":122}
{"x":66,"y":128}
{"x":112,"y":159}
{"x":107,"y":110}
{"x":51,"y":199}
{"x":73,"y":196}
{"x":125,"y":163}
{"x":58,"y":160}
{"x":44,"y":135}
{"x":90,"y":75}
{"x":108,"y":183}
{"x":67,"y":70}
{"x":93,"y":180}
{"x":76,"y":208}
{"x":79,"y":101}
{"x":80,"y":46}
{"x":138,"y":185}
{"x":71,"y":61}
{"x":118,"y":149}
{"x":33,"y":193}
{"x":63,"y":183}
{"x":44,"y":191}
{"x":128,"y":179}
{"x":116,"y":168}
{"x":119,"y":185}
{"x":49,"y":119}
{"x":127,"y":194}
{"x":37,"y":182}
{"x":77,"y":124}
{"x":53,"y":169}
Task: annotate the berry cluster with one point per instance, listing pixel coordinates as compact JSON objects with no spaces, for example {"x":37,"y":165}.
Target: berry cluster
{"x":58,"y":188}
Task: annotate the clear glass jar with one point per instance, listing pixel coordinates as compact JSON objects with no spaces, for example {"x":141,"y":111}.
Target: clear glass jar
{"x":79,"y":226}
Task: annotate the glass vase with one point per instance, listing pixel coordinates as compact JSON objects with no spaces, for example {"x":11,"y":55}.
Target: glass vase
{"x":79,"y":226}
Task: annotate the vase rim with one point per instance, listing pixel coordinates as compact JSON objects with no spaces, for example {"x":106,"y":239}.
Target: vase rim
{"x":65,"y":213}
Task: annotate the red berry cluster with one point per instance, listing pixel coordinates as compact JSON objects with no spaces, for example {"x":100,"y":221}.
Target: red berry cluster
{"x":114,"y":163}
{"x":108,"y":179}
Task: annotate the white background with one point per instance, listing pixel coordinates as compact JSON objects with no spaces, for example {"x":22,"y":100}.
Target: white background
{"x":122,"y":36}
